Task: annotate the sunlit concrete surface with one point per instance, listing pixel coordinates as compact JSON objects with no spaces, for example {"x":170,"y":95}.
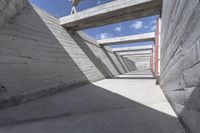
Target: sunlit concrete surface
{"x":137,"y":56}
{"x":132,"y":48}
{"x":108,"y":106}
{"x":128,"y":39}
{"x":140,"y":74}
{"x":142,"y":52}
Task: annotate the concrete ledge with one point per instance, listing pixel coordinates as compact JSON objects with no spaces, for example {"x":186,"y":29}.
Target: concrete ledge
{"x":144,"y":52}
{"x":133,"y":48}
{"x":128,"y":39}
{"x":141,"y":56}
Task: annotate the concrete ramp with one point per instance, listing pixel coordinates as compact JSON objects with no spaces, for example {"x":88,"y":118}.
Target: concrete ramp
{"x":106,"y":106}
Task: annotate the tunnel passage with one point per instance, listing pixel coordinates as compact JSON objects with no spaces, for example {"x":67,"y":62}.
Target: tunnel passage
{"x":54,"y":78}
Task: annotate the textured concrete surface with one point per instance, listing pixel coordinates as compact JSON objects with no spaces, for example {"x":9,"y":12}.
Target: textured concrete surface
{"x":128,"y":39}
{"x":137,"y":56}
{"x":142,"y":52}
{"x":40,"y":58}
{"x":113,"y":12}
{"x":143,"y":65}
{"x":141,"y":62}
{"x":180,"y":59}
{"x":42,"y":63}
{"x":108,"y":106}
{"x":9,"y":8}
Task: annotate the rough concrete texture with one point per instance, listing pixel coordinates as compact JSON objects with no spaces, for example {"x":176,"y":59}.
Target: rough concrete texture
{"x":180,"y":59}
{"x":113,"y":12}
{"x":141,"y":63}
{"x":128,"y":39}
{"x":124,"y":65}
{"x":9,"y":8}
{"x":38,"y":56}
{"x":108,"y":106}
{"x":142,"y":52}
{"x":131,"y":65}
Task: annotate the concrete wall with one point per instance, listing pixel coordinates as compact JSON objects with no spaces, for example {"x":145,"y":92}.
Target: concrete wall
{"x":141,"y":63}
{"x":8,"y":8}
{"x":132,"y":65}
{"x":180,"y":59}
{"x":39,"y":57}
{"x":125,"y":66}
{"x":115,"y":59}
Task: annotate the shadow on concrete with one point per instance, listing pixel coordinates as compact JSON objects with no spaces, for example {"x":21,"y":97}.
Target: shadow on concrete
{"x":53,"y":71}
{"x":90,"y":109}
{"x":82,"y":44}
{"x":111,"y":60}
{"x":120,"y":62}
{"x":190,"y":114}
{"x":105,"y":67}
{"x":59,"y":108}
{"x":187,"y":107}
{"x":124,"y":59}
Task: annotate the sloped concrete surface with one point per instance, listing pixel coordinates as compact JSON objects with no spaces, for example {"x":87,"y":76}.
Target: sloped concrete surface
{"x":9,"y":8}
{"x":106,"y":106}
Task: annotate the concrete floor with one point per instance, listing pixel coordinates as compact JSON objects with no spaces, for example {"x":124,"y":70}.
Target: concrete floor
{"x":140,"y":74}
{"x":122,"y":105}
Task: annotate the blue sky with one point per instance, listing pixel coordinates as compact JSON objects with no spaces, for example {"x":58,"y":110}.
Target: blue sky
{"x":60,"y":8}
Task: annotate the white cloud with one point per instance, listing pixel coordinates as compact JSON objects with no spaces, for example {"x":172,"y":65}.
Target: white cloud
{"x":98,"y":2}
{"x":154,"y":22}
{"x":153,"y":28}
{"x":146,"y":26}
{"x":137,"y":25}
{"x":118,"y":28}
{"x":104,"y":36}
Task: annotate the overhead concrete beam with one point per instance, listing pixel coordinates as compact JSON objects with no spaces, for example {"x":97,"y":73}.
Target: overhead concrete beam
{"x":132,"y":48}
{"x":128,"y":39}
{"x":145,"y":52}
{"x":145,"y":56}
{"x":112,"y":12}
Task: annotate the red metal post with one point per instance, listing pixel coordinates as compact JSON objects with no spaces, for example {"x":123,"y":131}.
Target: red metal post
{"x":157,"y":47}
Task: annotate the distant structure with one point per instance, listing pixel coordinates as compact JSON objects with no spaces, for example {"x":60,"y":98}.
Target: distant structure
{"x":74,"y":4}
